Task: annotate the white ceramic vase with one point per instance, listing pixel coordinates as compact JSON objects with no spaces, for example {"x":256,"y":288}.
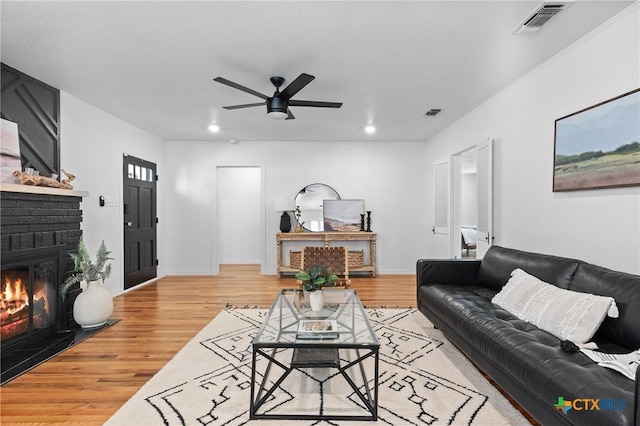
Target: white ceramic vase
{"x":316,"y":300}
{"x":93,"y":306}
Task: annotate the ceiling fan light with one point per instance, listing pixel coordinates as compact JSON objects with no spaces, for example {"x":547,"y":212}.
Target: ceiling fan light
{"x":277,"y":108}
{"x":277,"y":115}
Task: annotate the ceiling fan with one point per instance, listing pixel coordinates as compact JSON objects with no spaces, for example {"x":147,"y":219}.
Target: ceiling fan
{"x":278,"y":104}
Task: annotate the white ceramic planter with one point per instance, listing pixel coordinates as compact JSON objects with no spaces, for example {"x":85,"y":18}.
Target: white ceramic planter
{"x":93,"y":306}
{"x":316,"y":300}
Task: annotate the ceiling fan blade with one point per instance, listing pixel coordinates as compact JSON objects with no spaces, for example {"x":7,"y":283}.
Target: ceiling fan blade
{"x":289,"y":115}
{"x":239,"y":87}
{"x":244,"y":105}
{"x":316,"y":104}
{"x":296,"y":85}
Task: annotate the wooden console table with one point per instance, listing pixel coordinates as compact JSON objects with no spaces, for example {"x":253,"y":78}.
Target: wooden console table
{"x":327,"y":238}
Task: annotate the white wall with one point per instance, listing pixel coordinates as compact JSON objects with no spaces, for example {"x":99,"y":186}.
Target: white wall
{"x":92,"y":145}
{"x":388,"y":176}
{"x":599,"y":226}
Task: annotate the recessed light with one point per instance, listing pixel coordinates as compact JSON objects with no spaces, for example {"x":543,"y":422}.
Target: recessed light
{"x":214,"y":128}
{"x":370,"y":129}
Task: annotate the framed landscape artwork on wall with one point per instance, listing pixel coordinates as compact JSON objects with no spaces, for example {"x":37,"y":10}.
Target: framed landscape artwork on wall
{"x":342,"y":215}
{"x":599,"y":147}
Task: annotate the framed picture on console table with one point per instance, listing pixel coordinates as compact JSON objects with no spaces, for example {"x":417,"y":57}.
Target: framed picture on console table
{"x":599,"y":147}
{"x":342,"y":215}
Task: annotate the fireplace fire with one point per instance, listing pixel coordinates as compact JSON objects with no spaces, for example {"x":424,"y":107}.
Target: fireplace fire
{"x":15,"y":309}
{"x":28,"y":298}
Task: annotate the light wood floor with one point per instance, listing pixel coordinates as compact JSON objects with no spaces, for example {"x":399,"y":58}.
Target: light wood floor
{"x":89,"y":382}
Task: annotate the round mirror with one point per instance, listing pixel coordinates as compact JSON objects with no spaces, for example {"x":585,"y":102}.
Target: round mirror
{"x":309,"y":205}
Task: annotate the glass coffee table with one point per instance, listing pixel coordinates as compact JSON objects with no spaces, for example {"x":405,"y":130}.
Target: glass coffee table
{"x":293,"y":337}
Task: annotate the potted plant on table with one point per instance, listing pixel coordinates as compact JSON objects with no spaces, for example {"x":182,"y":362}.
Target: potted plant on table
{"x":313,"y":281}
{"x":93,"y":306}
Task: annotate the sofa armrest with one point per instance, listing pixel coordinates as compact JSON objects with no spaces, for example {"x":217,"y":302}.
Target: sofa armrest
{"x":446,"y":271}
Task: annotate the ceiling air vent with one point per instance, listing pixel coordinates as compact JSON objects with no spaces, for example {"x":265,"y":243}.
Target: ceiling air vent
{"x":432,"y":112}
{"x":539,"y":17}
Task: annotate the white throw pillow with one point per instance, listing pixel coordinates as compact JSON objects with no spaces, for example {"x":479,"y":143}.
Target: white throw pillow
{"x":564,"y":313}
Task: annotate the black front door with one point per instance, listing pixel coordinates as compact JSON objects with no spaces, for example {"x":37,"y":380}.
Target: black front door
{"x":140,"y":221}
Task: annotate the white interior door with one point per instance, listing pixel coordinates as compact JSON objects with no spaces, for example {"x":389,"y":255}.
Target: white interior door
{"x":442,"y":208}
{"x":484,"y":177}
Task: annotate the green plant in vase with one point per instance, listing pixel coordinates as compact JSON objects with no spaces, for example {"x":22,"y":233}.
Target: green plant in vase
{"x":86,"y":270}
{"x":94,"y":304}
{"x":316,"y":278}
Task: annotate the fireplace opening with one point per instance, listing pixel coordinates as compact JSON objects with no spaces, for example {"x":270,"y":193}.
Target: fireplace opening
{"x":29,"y":295}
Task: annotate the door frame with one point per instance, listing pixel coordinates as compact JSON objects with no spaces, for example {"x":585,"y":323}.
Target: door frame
{"x":456,"y":196}
{"x":455,"y":243}
{"x":215,"y":240}
{"x":485,"y":236}
{"x":442,"y":232}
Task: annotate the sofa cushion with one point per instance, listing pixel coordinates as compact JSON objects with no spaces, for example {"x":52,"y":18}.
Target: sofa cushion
{"x":498,"y":263}
{"x":625,"y":289}
{"x":566,"y":314}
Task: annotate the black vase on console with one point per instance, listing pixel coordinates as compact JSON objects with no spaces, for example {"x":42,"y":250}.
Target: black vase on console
{"x":285,"y":222}
{"x":362,"y":222}
{"x":368,"y":220}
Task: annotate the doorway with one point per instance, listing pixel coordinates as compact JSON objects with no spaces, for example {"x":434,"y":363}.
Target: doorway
{"x":466,"y":222}
{"x":140,"y":221}
{"x":471,"y":204}
{"x":239,"y":207}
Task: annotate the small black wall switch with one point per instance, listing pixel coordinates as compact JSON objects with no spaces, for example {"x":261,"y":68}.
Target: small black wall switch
{"x":101,"y":200}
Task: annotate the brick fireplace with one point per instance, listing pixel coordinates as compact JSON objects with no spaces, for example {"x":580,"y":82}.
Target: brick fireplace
{"x":40,"y":226}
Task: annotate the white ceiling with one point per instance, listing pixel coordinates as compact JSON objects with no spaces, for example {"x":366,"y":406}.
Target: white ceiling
{"x":152,"y":63}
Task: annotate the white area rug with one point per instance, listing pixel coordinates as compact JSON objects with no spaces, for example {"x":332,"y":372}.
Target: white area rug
{"x":423,"y":379}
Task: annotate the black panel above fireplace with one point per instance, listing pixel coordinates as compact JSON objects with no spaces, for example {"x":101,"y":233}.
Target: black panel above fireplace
{"x":35,"y":106}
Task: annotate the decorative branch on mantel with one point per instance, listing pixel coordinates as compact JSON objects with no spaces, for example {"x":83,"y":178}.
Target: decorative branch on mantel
{"x":33,"y":180}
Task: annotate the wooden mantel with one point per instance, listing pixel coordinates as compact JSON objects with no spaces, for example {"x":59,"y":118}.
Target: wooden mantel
{"x":45,"y":190}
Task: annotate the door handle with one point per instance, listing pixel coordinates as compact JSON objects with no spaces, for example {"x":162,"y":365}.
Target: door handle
{"x":129,"y":224}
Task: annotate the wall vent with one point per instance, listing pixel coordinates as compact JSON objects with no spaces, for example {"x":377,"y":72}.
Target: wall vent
{"x":540,"y":16}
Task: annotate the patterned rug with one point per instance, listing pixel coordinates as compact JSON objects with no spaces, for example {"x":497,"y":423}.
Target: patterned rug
{"x":423,"y":379}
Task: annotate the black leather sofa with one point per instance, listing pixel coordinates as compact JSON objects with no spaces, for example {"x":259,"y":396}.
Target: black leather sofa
{"x":525,"y":361}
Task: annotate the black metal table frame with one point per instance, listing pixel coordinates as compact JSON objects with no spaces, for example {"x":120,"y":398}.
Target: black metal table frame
{"x":263,"y":394}
{"x":368,"y":396}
